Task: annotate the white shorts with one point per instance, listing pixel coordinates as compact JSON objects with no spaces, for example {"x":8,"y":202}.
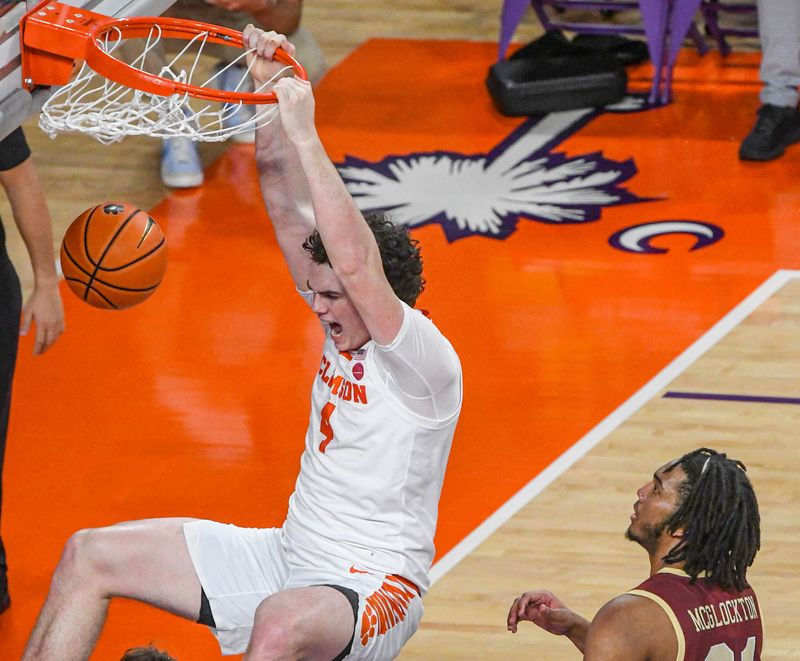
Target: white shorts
{"x":240,"y":567}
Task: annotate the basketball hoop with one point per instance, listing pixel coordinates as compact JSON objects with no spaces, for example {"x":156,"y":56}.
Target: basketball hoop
{"x":110,"y":99}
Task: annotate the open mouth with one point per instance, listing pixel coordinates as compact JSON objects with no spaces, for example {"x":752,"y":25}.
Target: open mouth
{"x":336,"y":329}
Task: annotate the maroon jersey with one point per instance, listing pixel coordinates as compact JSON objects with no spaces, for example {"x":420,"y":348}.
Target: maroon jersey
{"x":710,"y":624}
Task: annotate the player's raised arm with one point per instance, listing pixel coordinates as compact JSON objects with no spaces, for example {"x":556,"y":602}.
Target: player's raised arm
{"x":349,"y":242}
{"x":283,"y":183}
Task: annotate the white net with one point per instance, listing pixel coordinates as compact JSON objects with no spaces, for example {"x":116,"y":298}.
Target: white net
{"x":109,"y":111}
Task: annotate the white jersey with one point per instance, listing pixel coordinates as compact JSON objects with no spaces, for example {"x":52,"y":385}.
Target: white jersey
{"x":382,"y":422}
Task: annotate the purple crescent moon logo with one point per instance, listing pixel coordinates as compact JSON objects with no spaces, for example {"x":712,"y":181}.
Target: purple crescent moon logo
{"x":637,"y":238}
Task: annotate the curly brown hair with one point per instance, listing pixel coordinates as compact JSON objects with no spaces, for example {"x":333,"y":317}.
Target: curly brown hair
{"x":148,"y":653}
{"x":400,"y":255}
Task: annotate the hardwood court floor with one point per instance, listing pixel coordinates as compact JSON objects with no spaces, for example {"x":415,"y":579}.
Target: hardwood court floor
{"x":569,"y":539}
{"x":195,"y":402}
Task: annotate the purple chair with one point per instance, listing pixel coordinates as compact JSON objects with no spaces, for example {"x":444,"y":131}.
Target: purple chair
{"x":711,"y":14}
{"x":665,"y":23}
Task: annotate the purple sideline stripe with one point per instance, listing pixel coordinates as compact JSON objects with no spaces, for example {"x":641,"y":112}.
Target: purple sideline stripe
{"x":762,"y":399}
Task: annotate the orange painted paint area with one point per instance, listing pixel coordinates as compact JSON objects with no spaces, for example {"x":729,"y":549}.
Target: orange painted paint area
{"x":196,"y":402}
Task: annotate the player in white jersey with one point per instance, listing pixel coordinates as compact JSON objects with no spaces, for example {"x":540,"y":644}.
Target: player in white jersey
{"x":344,"y":576}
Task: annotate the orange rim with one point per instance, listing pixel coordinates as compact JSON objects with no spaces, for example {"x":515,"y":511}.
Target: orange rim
{"x":139,"y":27}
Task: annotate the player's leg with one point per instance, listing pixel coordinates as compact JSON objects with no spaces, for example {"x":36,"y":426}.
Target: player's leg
{"x":10,"y":308}
{"x":778,"y":122}
{"x":283,"y":17}
{"x":358,"y":615}
{"x":143,"y":560}
{"x":310,"y":623}
{"x":180,"y":159}
{"x":389,"y":614}
{"x":779,"y":29}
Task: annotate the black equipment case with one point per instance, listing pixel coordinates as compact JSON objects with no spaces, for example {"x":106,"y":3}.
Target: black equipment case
{"x":551,"y":82}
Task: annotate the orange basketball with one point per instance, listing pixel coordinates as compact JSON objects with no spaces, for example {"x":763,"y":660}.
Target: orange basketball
{"x":113,"y":256}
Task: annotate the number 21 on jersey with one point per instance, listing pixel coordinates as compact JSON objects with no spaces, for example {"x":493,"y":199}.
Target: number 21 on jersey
{"x":722,"y":652}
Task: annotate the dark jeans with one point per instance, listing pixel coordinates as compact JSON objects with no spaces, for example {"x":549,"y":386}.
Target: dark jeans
{"x":10,"y":308}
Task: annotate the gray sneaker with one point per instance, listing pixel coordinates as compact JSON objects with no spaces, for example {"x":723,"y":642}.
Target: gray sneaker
{"x":180,"y":163}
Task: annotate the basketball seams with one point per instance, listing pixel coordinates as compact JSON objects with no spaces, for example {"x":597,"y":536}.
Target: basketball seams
{"x":108,"y":301}
{"x":128,"y":289}
{"x":95,"y":291}
{"x":109,"y":285}
{"x":108,"y":269}
{"x":114,"y":232}
{"x":109,"y":244}
{"x":85,"y":234}
{"x":103,"y":282}
{"x":83,"y":270}
{"x":65,"y":250}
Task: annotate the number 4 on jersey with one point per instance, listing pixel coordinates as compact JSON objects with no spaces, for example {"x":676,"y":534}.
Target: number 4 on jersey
{"x":325,"y":425}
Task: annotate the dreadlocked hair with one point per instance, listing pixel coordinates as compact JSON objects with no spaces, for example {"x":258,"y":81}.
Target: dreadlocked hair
{"x":718,"y":513}
{"x":400,"y":255}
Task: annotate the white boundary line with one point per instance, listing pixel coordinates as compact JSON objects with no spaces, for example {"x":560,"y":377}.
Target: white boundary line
{"x":611,"y":422}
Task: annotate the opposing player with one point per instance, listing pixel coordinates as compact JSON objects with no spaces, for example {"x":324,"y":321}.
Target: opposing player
{"x":344,"y":576}
{"x":698,"y":521}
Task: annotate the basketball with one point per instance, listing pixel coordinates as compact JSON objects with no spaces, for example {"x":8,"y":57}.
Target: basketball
{"x":113,"y":256}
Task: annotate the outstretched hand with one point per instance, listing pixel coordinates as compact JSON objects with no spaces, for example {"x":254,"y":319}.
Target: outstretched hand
{"x":295,"y":98}
{"x":261,"y":58}
{"x":45,"y":311}
{"x":544,"y":609}
{"x":296,"y":107}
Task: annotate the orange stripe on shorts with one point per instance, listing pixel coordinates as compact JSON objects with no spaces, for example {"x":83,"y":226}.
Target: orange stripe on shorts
{"x":386,"y":607}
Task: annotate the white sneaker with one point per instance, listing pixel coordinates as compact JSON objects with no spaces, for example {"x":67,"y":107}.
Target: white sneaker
{"x":180,"y":163}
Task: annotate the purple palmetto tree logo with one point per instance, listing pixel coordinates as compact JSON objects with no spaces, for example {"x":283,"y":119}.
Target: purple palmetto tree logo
{"x":488,"y":194}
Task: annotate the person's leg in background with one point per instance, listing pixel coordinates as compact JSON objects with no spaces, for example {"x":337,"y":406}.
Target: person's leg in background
{"x":180,"y":161}
{"x":10,"y":310}
{"x":778,"y":122}
{"x":282,"y":16}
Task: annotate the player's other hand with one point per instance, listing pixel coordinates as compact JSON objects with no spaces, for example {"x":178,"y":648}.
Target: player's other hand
{"x":45,"y":311}
{"x":296,"y":107}
{"x":262,"y":46}
{"x":544,"y":609}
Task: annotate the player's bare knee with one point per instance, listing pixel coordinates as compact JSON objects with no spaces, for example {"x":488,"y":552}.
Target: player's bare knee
{"x":276,"y":634}
{"x":87,"y":556}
